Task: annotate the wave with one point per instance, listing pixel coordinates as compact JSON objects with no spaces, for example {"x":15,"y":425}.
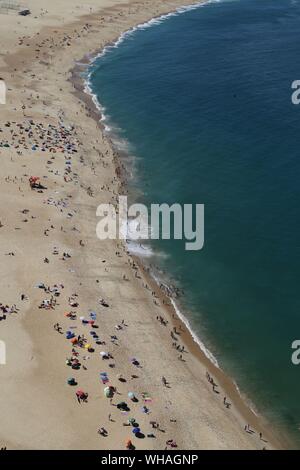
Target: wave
{"x":109,"y":128}
{"x":121,"y":39}
{"x":154,"y":22}
{"x":196,"y":338}
{"x":139,"y":249}
{"x":148,"y":24}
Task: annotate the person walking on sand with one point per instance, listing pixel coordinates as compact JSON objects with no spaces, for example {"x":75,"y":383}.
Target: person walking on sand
{"x":164,"y":381}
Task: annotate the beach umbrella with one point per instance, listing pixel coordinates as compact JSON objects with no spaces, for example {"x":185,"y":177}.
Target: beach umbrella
{"x":40,"y":285}
{"x":136,"y":430}
{"x":34,"y":179}
{"x":131,"y":395}
{"x":69,"y":335}
{"x":108,"y":392}
{"x":104,"y":378}
{"x":146,"y":397}
{"x":103,"y":354}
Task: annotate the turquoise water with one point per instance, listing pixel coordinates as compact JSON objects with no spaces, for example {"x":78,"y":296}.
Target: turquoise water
{"x":203,"y":100}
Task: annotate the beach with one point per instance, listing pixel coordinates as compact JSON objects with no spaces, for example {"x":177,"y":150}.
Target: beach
{"x":57,"y":277}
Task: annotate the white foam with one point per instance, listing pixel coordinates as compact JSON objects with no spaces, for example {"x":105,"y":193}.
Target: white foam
{"x":153,"y":22}
{"x":208,"y":353}
{"x":197,"y":340}
{"x":125,"y":35}
{"x":184,"y":320}
{"x":101,"y":109}
{"x":138,"y":249}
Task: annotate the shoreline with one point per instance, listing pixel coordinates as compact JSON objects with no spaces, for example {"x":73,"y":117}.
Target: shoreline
{"x":191,"y":339}
{"x":38,"y":373}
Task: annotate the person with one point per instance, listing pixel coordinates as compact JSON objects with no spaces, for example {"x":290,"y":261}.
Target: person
{"x":58,"y":328}
{"x":81,"y":396}
{"x":154,"y":424}
{"x":102,"y":431}
{"x":164,"y":381}
{"x":129,"y":445}
{"x":171,"y":443}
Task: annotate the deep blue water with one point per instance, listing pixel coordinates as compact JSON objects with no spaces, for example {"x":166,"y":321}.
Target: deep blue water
{"x":204,"y":101}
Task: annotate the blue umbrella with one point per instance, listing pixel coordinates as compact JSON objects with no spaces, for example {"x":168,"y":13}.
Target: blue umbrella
{"x":93,"y":315}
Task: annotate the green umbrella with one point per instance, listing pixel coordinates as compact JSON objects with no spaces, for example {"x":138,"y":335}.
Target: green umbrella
{"x":107,"y":392}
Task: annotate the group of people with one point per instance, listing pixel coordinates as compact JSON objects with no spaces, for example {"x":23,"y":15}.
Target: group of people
{"x":35,"y":136}
{"x":7,"y":310}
